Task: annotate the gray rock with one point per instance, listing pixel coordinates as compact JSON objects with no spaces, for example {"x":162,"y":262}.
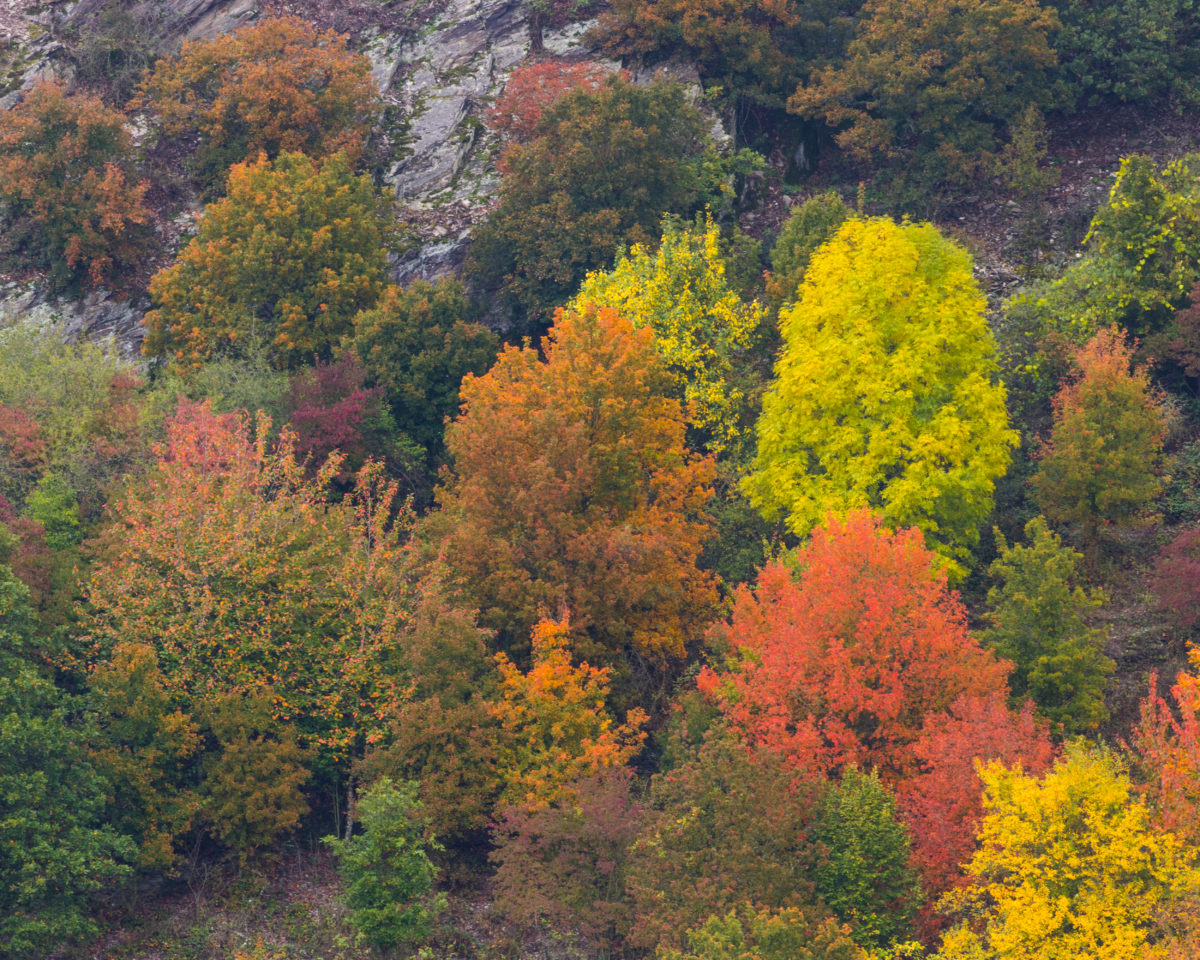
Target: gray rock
{"x":97,"y":316}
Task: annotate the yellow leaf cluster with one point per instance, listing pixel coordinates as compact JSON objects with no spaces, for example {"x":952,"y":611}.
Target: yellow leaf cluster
{"x":681,"y":293}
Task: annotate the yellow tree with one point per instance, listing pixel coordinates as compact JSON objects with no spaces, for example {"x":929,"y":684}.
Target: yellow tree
{"x":1070,"y":868}
{"x":556,"y":730}
{"x":885,"y":393}
{"x":680,"y":292}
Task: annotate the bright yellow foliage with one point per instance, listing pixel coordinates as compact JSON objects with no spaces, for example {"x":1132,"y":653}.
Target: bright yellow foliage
{"x":1070,"y":866}
{"x":556,"y":728}
{"x":885,"y":394}
{"x":680,"y":292}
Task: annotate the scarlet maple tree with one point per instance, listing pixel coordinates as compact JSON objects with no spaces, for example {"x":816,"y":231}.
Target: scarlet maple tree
{"x":234,"y":565}
{"x":841,"y":662}
{"x":572,"y":485}
{"x":1167,"y":743}
{"x":942,"y":803}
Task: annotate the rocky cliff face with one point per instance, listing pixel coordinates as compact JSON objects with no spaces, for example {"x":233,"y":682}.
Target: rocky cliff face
{"x":438,"y":64}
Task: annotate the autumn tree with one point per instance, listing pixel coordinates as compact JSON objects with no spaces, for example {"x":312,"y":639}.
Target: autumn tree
{"x":417,"y":343}
{"x":276,"y":86}
{"x":604,"y":168}
{"x":1070,"y":866}
{"x":865,"y":877}
{"x":942,"y":85}
{"x":726,"y":827}
{"x":66,"y":177}
{"x":288,"y":257}
{"x":680,"y":291}
{"x":941,"y":802}
{"x":1176,"y":578}
{"x":564,"y":864}
{"x":1166,"y":747}
{"x":1100,"y":465}
{"x":444,"y":736}
{"x":1036,"y":613}
{"x":572,"y":485}
{"x":884,"y":393}
{"x":232,"y":562}
{"x":555,"y":725}
{"x":533,"y":87}
{"x":841,"y":662}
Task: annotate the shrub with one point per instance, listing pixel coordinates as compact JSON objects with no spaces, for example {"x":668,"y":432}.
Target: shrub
{"x":288,"y":256}
{"x":603,"y":170}
{"x":65,"y":175}
{"x":387,"y":871}
{"x":789,"y":933}
{"x":277,"y":86}
{"x":937,"y":85}
{"x":1035,"y":610}
{"x":884,"y":394}
{"x":1176,"y":579}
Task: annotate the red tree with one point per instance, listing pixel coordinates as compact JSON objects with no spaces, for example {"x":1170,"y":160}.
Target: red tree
{"x":943,"y":803}
{"x":329,"y":404}
{"x":842,"y":662}
{"x":1167,"y":741}
{"x":1177,"y":577}
{"x":532,"y":88}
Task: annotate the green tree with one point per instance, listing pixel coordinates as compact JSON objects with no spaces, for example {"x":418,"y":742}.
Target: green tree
{"x":884,"y":392}
{"x":1100,"y":465}
{"x":388,"y":874}
{"x":606,"y":166}
{"x":810,"y":225}
{"x":53,"y":504}
{"x":700,"y":324}
{"x":1070,"y":867}
{"x":289,"y":256}
{"x":866,"y":879}
{"x":66,"y":178}
{"x":418,"y":342}
{"x":57,"y":848}
{"x":939,"y":86}
{"x":1035,"y":610}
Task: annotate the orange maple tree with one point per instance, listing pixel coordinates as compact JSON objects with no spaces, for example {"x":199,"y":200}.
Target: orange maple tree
{"x":532,"y":87}
{"x":841,"y":662}
{"x":572,"y":485}
{"x":557,"y":732}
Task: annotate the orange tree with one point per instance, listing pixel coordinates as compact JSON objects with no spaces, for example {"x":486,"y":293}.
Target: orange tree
{"x":65,"y":175}
{"x":841,"y":663}
{"x":286,"y":258}
{"x":231,"y":562}
{"x":532,"y":88}
{"x":572,"y":485}
{"x":1100,"y":465}
{"x":278,"y":85}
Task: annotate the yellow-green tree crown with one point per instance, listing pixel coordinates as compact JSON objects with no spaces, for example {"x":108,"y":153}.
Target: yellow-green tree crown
{"x":681,"y":293}
{"x":1070,"y":867}
{"x":885,"y":393}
